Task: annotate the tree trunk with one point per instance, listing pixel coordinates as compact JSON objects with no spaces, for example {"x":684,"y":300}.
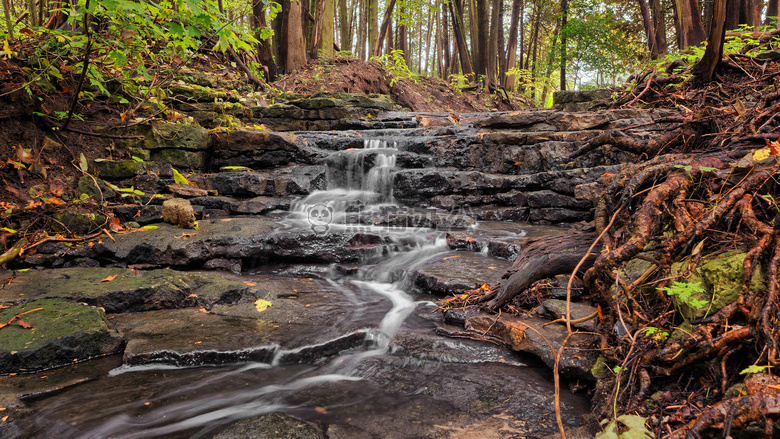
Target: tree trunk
{"x":445,"y":44}
{"x":377,"y":49}
{"x":9,"y":23}
{"x":491,"y":58}
{"x":705,"y":68}
{"x":372,"y":20}
{"x":659,"y":25}
{"x":463,"y":50}
{"x":550,"y":61}
{"x":403,"y":40}
{"x":344,"y":38}
{"x":647,"y":22}
{"x":564,"y":19}
{"x":511,"y":50}
{"x":316,"y":33}
{"x":264,"y":50}
{"x":292,"y":36}
{"x":690,"y":28}
{"x":328,"y":29}
{"x":772,"y":10}
{"x":481,"y":49}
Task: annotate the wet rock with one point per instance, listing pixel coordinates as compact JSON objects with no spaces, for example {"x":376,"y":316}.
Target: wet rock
{"x":142,"y":214}
{"x":577,"y":358}
{"x":117,"y":169}
{"x":458,"y":271}
{"x":187,"y":190}
{"x":178,"y":211}
{"x":556,"y":309}
{"x":121,"y":289}
{"x":183,"y":136}
{"x":231,"y":265}
{"x":212,"y":202}
{"x":255,"y":149}
{"x":275,"y":425}
{"x":259,"y":205}
{"x":297,"y":180}
{"x":180,"y":158}
{"x":100,"y":192}
{"x":63,"y":332}
{"x":574,"y":100}
{"x":74,"y":220}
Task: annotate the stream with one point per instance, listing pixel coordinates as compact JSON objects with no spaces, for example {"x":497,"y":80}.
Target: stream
{"x":405,"y":381}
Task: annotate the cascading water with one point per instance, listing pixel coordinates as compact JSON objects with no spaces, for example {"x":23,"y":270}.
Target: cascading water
{"x":363,"y":183}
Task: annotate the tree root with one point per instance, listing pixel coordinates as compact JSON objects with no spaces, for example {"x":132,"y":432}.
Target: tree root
{"x":735,"y":412}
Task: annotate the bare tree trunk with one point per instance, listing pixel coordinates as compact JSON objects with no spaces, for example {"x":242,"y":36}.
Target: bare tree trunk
{"x":705,"y":68}
{"x":690,"y":28}
{"x":491,"y":54}
{"x":511,"y":51}
{"x":649,"y":28}
{"x":264,"y":50}
{"x":377,"y":49}
{"x":361,"y":30}
{"x":292,"y":38}
{"x":550,"y":64}
{"x":445,"y":44}
{"x":659,"y":25}
{"x":9,"y":24}
{"x":481,"y":49}
{"x":429,"y":30}
{"x":564,"y":19}
{"x":316,"y":32}
{"x":403,"y":43}
{"x":344,"y":39}
{"x":772,"y":10}
{"x":328,"y":29}
{"x":460,"y":40}
{"x":372,"y":20}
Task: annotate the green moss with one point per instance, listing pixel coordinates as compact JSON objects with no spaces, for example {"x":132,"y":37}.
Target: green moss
{"x":600,"y":369}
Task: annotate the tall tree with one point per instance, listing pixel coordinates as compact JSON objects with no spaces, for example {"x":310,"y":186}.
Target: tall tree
{"x":491,"y":58}
{"x":345,"y":24}
{"x":511,"y":50}
{"x":291,"y":45}
{"x":456,"y":12}
{"x":647,"y":22}
{"x":564,"y":19}
{"x":481,"y":47}
{"x":705,"y":68}
{"x":772,"y":12}
{"x":372,"y":19}
{"x":659,"y":25}
{"x":377,"y":49}
{"x":328,"y":29}
{"x":264,"y":50}
{"x":690,"y":29}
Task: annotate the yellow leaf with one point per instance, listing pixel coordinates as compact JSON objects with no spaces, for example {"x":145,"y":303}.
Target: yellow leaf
{"x":761,"y":154}
{"x":262,"y":304}
{"x":109,"y":278}
{"x":492,"y":268}
{"x":450,"y":257}
{"x":203,"y":310}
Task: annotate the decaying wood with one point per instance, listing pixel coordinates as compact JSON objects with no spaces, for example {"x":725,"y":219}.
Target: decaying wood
{"x":541,"y":258}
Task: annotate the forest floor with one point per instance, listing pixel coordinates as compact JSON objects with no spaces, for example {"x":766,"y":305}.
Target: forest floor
{"x":707,"y":187}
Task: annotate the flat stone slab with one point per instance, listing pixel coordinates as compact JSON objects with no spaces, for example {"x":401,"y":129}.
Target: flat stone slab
{"x":528,"y":334}
{"x":458,"y":271}
{"x":51,"y":333}
{"x":122,"y":289}
{"x":300,"y":320}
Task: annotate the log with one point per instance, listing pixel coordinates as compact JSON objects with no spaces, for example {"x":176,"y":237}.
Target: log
{"x":545,"y":257}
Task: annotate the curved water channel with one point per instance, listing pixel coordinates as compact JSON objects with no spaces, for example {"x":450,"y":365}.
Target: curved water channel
{"x":405,"y":381}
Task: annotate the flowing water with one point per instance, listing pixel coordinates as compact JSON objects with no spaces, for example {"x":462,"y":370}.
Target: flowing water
{"x":403,"y":377}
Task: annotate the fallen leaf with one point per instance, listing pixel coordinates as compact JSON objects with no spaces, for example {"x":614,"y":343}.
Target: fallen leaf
{"x":321,"y":410}
{"x":23,"y":324}
{"x":492,"y":268}
{"x":4,"y":418}
{"x":251,"y":284}
{"x":262,"y":304}
{"x":450,"y":257}
{"x":193,"y":295}
{"x":203,"y":310}
{"x":109,"y":278}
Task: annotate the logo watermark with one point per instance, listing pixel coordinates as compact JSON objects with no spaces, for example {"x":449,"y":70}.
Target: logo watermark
{"x":323,"y":219}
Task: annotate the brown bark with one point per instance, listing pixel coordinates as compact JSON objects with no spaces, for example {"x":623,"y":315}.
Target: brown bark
{"x":689,"y":25}
{"x":491,"y":55}
{"x":460,"y":40}
{"x":705,"y":68}
{"x":659,"y":23}
{"x":292,"y":44}
{"x":772,"y":10}
{"x":377,"y":49}
{"x":647,"y":22}
{"x":541,"y":258}
{"x":264,"y":49}
{"x":511,"y":50}
{"x":316,"y":33}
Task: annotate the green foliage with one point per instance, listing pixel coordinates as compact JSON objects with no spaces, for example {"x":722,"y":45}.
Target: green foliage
{"x":178,"y":178}
{"x":396,"y":64}
{"x":754,"y":368}
{"x":685,"y":293}
{"x":625,"y":427}
{"x":657,"y":335}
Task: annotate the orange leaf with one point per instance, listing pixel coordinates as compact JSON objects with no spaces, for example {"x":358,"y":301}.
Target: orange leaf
{"x":3,"y":325}
{"x":4,"y":418}
{"x":23,"y":324}
{"x":774,"y":147}
{"x":251,"y":284}
{"x":27,"y":31}
{"x":203,"y":310}
{"x":114,"y":225}
{"x":320,"y":409}
{"x":109,"y":278}
{"x":55,"y":201}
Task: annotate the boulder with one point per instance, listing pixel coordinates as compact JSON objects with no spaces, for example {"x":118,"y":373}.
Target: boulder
{"x":184,"y":136}
{"x":51,"y":333}
{"x":178,"y":211}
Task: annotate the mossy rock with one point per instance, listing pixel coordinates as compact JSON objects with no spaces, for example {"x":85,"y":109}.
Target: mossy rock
{"x":100,"y":191}
{"x":117,"y":169}
{"x":274,"y":425}
{"x":720,"y":276}
{"x":180,"y":158}
{"x":63,"y":332}
{"x":173,"y":135}
{"x":77,"y":221}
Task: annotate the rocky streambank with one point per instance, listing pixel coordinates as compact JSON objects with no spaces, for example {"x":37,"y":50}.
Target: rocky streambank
{"x":258,"y":282}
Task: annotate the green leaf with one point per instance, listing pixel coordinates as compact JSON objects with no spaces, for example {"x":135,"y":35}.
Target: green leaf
{"x":150,"y":227}
{"x":83,"y":163}
{"x":180,"y":179}
{"x":139,"y":160}
{"x":753,"y":368}
{"x":6,"y":229}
